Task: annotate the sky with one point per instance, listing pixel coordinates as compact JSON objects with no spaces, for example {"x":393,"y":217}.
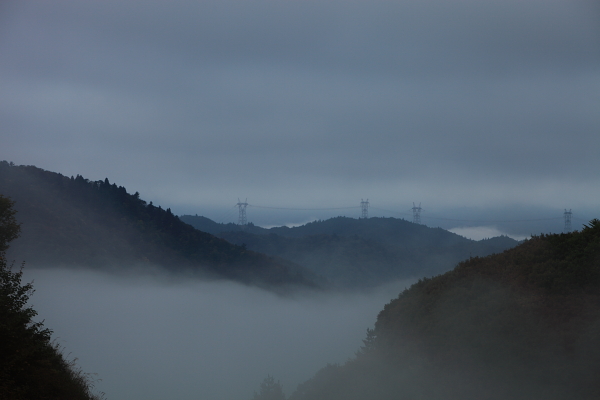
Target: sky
{"x":480,"y":110}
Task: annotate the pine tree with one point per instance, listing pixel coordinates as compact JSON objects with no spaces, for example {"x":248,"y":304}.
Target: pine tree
{"x":270,"y":390}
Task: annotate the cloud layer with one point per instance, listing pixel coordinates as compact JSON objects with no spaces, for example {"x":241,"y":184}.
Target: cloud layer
{"x":150,"y":338}
{"x":309,"y":103}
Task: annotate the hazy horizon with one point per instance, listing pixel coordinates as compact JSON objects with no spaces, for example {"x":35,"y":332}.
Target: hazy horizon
{"x":518,"y":222}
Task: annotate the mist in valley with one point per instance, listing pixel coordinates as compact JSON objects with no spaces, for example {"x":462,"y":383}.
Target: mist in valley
{"x":156,"y":337}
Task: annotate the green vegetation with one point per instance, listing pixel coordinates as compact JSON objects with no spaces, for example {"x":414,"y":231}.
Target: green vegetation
{"x":359,"y":252}
{"x":31,"y":367}
{"x":523,"y":324}
{"x":77,"y":222}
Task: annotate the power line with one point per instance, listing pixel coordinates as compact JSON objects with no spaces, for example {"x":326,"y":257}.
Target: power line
{"x":494,"y":221}
{"x":580,"y":219}
{"x":302,"y":209}
{"x":416,"y":213}
{"x":474,"y":220}
{"x":390,"y":211}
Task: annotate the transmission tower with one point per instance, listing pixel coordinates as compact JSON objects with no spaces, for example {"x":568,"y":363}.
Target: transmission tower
{"x":416,"y":214}
{"x":568,"y":215}
{"x":242,"y":207}
{"x":364,"y":207}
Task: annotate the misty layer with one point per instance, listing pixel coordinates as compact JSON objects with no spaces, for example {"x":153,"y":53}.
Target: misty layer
{"x":155,"y":337}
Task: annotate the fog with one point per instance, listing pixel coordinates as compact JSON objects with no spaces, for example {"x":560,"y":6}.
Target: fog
{"x":483,"y":232}
{"x":149,"y":337}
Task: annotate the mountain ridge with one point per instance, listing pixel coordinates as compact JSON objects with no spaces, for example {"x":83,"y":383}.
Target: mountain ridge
{"x":359,"y":252}
{"x":75,"y":222}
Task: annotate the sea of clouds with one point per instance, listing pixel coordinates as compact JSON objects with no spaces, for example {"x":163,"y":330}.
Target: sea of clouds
{"x":153,"y":337}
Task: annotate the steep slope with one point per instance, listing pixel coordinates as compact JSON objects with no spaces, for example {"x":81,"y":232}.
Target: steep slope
{"x":360,"y":252}
{"x":73,"y":221}
{"x":523,"y":324}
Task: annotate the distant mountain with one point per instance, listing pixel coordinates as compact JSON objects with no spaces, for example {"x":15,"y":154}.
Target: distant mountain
{"x":77,"y":222}
{"x":359,"y":252}
{"x":522,"y":325}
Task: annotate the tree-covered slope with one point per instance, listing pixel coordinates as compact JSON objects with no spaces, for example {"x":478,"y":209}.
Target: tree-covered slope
{"x":360,"y":252}
{"x":74,"y":221}
{"x":523,"y":324}
{"x":31,"y":367}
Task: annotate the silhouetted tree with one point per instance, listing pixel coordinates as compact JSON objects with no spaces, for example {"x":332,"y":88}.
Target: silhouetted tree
{"x":30,"y":366}
{"x":270,"y":390}
{"x":370,"y":343}
{"x":9,"y":228}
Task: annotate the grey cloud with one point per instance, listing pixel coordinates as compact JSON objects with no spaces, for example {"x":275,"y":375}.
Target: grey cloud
{"x":339,"y":36}
{"x":231,"y":97}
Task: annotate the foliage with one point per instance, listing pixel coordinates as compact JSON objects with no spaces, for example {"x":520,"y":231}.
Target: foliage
{"x":30,"y":366}
{"x":9,"y":228}
{"x":269,"y":390}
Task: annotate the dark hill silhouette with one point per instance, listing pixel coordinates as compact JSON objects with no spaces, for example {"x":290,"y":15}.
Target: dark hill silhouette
{"x":77,"y":222}
{"x":31,"y":366}
{"x":359,"y":252}
{"x":523,"y":324}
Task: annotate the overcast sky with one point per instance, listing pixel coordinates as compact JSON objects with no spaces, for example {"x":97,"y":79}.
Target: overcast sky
{"x":471,"y":103}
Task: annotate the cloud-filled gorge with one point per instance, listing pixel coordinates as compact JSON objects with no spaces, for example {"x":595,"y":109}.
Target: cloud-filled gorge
{"x":151,"y":337}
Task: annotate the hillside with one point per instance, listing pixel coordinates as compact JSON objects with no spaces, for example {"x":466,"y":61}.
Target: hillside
{"x":359,"y":252}
{"x":523,"y":324}
{"x":31,"y":366}
{"x":77,"y":222}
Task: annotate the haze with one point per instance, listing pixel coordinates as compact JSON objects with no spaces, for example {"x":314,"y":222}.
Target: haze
{"x":149,"y":337}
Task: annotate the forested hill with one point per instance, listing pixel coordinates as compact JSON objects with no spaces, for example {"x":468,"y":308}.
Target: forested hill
{"x":77,"y":222}
{"x":32,"y":365}
{"x":360,"y":252}
{"x":523,"y":324}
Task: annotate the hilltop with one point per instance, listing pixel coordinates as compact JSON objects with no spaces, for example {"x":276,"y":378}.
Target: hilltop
{"x":523,"y":324}
{"x":359,"y":252}
{"x":77,"y":222}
